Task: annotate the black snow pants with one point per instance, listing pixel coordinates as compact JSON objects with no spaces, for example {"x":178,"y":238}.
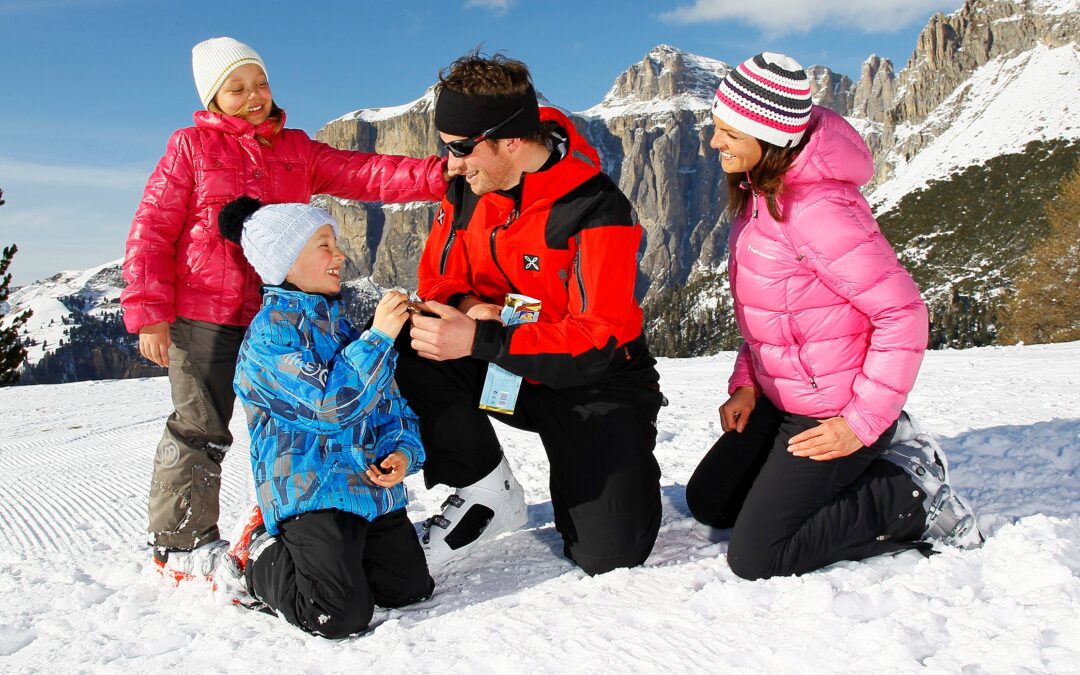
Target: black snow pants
{"x":328,"y":570}
{"x":793,"y":515}
{"x":599,"y":440}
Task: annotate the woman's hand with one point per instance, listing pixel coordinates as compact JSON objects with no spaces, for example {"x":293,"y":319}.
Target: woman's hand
{"x":390,"y":471}
{"x":154,"y":342}
{"x":391,"y":313}
{"x":831,"y":439}
{"x":735,"y":412}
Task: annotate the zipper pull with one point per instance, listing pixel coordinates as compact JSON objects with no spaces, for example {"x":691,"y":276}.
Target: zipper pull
{"x":513,"y":216}
{"x":753,"y":216}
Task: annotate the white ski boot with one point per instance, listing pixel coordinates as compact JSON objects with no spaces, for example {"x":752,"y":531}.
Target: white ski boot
{"x":178,"y":567}
{"x":474,"y":514}
{"x":949,"y":519}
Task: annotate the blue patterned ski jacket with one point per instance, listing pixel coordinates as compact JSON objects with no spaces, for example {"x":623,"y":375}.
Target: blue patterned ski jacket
{"x":321,"y":405}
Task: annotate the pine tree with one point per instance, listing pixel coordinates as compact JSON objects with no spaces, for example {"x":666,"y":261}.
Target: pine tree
{"x":1046,"y":305}
{"x":12,"y":351}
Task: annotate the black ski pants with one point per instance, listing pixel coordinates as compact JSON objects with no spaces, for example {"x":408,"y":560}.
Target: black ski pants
{"x":328,"y":570}
{"x":793,"y":515}
{"x":599,"y":440}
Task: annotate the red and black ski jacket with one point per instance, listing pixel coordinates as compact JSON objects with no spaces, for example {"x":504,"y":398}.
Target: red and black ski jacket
{"x":568,"y":239}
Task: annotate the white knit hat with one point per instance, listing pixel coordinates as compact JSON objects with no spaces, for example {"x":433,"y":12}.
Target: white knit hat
{"x":215,"y":59}
{"x":768,"y":97}
{"x":274,"y":235}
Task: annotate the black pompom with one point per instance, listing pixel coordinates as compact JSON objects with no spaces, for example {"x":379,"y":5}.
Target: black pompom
{"x":232,"y":216}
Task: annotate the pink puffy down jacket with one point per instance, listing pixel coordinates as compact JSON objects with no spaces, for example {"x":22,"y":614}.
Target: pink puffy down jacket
{"x":833,"y":324}
{"x":177,"y":262}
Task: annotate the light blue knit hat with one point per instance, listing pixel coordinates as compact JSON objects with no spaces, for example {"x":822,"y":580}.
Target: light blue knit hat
{"x":274,"y":235}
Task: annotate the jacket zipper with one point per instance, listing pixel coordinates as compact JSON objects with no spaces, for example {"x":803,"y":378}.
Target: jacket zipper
{"x":494,"y":256}
{"x":797,"y":334}
{"x":577,"y":274}
{"x":446,"y":249}
{"x":753,"y":196}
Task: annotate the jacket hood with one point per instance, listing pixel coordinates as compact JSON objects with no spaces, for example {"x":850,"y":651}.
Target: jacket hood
{"x":207,"y":119}
{"x":578,"y":144}
{"x":581,"y":163}
{"x":835,"y":151}
{"x":310,"y":303}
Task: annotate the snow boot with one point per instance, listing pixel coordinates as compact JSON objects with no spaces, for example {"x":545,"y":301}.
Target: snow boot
{"x":230,"y":578}
{"x":474,"y":514}
{"x":178,"y":566}
{"x":949,"y":519}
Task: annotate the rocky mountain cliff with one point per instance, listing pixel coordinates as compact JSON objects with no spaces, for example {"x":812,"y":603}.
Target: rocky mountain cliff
{"x":948,"y":51}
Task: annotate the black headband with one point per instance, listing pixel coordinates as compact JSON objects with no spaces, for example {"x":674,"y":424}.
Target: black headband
{"x":469,"y":115}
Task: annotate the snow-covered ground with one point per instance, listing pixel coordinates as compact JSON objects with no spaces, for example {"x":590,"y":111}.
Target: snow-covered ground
{"x":78,"y":595}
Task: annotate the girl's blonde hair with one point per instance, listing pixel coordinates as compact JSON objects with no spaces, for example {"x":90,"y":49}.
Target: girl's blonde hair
{"x":277,"y":116}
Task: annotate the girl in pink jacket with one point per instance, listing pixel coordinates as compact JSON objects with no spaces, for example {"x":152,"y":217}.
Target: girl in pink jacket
{"x":190,"y":294}
{"x":818,"y":462}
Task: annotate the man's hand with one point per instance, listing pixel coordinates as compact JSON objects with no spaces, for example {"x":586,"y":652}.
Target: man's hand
{"x":831,"y":439}
{"x":735,"y":412}
{"x":390,"y":471}
{"x":444,"y":337}
{"x":154,"y":341}
{"x":475,"y":308}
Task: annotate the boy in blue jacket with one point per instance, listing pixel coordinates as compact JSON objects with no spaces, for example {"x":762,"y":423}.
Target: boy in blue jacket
{"x":331,"y":437}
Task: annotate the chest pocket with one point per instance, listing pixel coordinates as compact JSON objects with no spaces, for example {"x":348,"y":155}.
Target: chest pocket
{"x":218,"y":178}
{"x":289,"y":181}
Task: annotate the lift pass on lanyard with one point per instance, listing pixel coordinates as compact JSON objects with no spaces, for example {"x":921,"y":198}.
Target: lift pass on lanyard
{"x":501,"y":386}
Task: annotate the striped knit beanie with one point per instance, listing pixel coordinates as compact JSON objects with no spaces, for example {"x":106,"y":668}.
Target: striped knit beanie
{"x":767,"y":97}
{"x":215,"y":59}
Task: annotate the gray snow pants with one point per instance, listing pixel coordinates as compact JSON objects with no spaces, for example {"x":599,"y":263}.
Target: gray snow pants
{"x":186,"y":483}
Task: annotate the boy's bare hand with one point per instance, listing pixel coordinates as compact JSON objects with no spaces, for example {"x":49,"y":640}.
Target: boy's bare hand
{"x":391,"y":313}
{"x":390,"y":471}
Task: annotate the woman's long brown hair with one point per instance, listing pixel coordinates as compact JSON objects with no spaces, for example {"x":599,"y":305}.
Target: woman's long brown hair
{"x":767,"y":178}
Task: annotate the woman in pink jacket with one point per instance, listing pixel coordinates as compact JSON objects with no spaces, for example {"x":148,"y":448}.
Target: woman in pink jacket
{"x":190,"y":294}
{"x":812,"y":467}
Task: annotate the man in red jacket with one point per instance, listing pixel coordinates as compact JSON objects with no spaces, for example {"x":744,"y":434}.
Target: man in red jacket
{"x":531,"y":213}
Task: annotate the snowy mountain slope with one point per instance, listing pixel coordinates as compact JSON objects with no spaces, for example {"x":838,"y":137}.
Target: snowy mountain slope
{"x":75,"y":464}
{"x":1003,"y":106}
{"x":99,"y":287}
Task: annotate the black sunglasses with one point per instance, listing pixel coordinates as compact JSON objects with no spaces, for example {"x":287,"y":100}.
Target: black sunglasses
{"x":465,"y":146}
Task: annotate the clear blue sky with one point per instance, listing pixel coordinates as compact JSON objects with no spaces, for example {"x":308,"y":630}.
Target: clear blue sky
{"x":91,"y":89}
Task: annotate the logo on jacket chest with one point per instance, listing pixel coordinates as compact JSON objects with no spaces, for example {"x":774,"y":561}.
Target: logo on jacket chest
{"x":530,"y":263}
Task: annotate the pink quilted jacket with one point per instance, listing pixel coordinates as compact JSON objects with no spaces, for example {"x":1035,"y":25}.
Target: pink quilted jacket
{"x":177,"y":263}
{"x":832,"y":323}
